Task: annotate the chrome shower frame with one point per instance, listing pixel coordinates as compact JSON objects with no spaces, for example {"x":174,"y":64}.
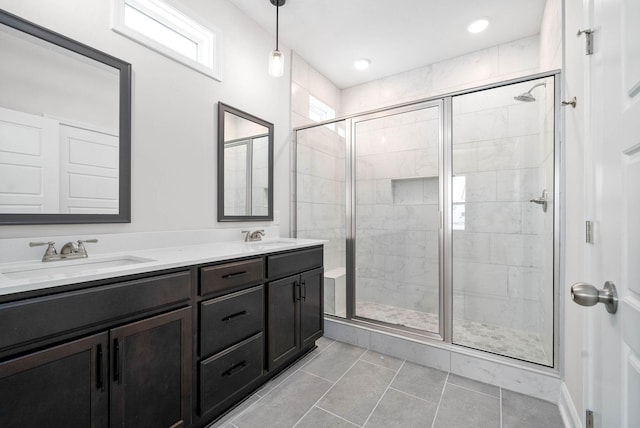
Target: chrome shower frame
{"x":445,"y":103}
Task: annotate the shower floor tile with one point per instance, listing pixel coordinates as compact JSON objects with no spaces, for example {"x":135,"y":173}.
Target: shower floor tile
{"x":507,"y":341}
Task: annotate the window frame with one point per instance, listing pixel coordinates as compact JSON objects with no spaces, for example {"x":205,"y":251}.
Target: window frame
{"x":208,"y":38}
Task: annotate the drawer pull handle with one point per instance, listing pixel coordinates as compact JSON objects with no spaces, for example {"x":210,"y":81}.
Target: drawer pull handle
{"x":99,"y":369}
{"x":304,"y":290}
{"x":235,"y":316}
{"x":236,"y":369}
{"x":234,"y":275}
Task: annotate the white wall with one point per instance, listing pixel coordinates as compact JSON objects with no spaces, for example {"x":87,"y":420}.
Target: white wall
{"x":574,"y":321}
{"x":175,"y":113}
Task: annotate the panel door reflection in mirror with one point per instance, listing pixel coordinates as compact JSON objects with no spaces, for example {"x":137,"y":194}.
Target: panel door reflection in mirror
{"x":64,"y":129}
{"x":245,"y":177}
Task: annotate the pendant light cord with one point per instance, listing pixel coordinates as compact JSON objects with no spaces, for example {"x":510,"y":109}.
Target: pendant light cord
{"x":277,"y":20}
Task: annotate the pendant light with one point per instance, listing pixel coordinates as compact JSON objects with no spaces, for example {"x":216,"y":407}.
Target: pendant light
{"x":276,"y":58}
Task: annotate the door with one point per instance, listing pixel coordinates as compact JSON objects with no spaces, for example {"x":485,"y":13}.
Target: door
{"x":150,"y":372}
{"x":613,"y":384}
{"x":89,"y":171}
{"x":396,"y":223}
{"x":283,"y":325}
{"x":29,"y":163}
{"x":63,"y":386}
{"x":311,"y":316}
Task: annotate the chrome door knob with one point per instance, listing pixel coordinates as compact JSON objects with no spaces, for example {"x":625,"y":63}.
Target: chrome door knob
{"x":587,"y":295}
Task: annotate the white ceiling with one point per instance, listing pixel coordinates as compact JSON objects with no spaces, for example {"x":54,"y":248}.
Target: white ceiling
{"x":397,"y":35}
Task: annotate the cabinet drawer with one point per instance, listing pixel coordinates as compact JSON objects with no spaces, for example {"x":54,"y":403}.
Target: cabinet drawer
{"x":226,"y":373}
{"x":44,"y":317}
{"x":229,"y":276}
{"x":289,"y":263}
{"x":229,"y":319}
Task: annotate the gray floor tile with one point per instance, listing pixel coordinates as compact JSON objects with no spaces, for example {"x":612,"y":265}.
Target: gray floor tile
{"x":322,"y":343}
{"x":334,"y":361}
{"x":474,"y":385}
{"x":358,"y":392}
{"x":399,"y":410}
{"x":224,"y":422}
{"x":522,"y":411}
{"x":286,"y":404}
{"x":318,"y":418}
{"x":423,"y":382}
{"x":461,"y":408}
{"x":382,"y":360}
{"x":282,"y":376}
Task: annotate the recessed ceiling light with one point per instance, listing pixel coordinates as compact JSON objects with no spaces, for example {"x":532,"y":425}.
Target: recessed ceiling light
{"x":478,"y":25}
{"x":362,"y":64}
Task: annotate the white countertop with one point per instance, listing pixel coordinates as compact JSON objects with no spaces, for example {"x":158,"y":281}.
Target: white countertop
{"x":34,"y":275}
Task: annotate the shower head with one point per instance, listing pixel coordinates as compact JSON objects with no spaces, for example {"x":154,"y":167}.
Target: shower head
{"x":526,"y":96}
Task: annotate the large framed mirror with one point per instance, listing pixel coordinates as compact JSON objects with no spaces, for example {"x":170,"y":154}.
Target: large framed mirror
{"x":245,"y":166}
{"x":65,"y":129}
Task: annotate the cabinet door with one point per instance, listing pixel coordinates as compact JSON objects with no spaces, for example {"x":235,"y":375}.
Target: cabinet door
{"x":151,"y":372}
{"x":283,"y":326}
{"x":63,"y":386}
{"x":311,"y":307}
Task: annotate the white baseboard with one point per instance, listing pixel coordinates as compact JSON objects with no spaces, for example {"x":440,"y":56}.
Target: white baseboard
{"x":568,"y":410}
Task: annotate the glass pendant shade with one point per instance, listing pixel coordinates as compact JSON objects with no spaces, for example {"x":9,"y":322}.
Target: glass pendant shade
{"x":276,"y":64}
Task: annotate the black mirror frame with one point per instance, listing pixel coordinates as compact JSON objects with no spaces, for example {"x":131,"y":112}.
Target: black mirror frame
{"x":124,"y":183}
{"x":222,"y":109}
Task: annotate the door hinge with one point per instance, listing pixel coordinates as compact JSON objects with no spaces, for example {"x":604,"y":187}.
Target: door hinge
{"x":589,"y":418}
{"x":588,"y":34}
{"x":588,"y":232}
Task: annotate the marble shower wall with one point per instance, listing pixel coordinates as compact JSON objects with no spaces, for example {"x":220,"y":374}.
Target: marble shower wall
{"x":502,"y":62}
{"x":320,"y":183}
{"x":397,"y":220}
{"x":320,"y":166}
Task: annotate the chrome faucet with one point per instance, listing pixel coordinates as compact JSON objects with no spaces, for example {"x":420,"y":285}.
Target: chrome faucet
{"x":253,"y":236}
{"x":70,"y":250}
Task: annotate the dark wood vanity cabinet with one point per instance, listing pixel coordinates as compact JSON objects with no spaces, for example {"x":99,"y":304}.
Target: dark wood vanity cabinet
{"x":63,"y":386}
{"x":231,"y":333}
{"x":135,"y":374}
{"x":294,"y":305}
{"x":150,"y":375}
{"x":132,"y":352}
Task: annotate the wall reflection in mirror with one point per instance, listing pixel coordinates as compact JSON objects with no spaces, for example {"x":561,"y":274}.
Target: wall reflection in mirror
{"x":245,"y":188}
{"x":60,"y":130}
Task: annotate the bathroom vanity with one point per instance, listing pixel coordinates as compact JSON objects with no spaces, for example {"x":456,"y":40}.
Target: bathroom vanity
{"x":172,"y":345}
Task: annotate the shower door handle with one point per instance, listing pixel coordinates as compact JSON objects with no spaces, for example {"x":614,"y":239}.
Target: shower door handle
{"x":542,"y":200}
{"x":587,"y":295}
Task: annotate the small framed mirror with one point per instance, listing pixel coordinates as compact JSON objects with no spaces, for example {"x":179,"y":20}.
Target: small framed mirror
{"x":65,"y":129}
{"x":245,"y":166}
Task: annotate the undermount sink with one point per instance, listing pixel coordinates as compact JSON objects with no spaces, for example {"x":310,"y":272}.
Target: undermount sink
{"x":67,"y":267}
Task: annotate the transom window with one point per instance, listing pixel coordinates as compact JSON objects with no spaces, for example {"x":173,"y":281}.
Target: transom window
{"x":170,"y":32}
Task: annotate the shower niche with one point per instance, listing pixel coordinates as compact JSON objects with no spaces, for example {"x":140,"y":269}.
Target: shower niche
{"x":431,"y":216}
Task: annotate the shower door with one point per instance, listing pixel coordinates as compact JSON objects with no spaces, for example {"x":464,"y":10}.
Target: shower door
{"x":396,"y":216}
{"x":502,"y":219}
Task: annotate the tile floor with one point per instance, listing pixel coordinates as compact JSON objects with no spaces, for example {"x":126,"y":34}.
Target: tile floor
{"x":507,"y":341}
{"x":341,"y":385}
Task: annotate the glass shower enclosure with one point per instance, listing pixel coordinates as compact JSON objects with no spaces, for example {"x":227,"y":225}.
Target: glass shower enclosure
{"x":440,"y":216}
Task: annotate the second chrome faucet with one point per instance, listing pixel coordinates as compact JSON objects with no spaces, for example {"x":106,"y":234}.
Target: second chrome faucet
{"x":253,"y":236}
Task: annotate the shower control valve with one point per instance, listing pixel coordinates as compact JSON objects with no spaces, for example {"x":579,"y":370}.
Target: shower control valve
{"x":542,"y":200}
